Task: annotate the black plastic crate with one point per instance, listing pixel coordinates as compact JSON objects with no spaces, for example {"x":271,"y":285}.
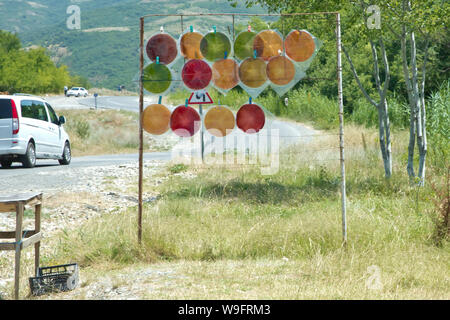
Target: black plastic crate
{"x":53,"y":279}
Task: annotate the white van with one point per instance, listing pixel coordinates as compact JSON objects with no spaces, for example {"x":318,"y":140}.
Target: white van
{"x":30,"y":130}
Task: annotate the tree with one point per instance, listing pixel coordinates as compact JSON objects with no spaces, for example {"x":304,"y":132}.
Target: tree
{"x":28,"y":70}
{"x":411,"y":23}
{"x":354,"y":19}
{"x":407,"y":19}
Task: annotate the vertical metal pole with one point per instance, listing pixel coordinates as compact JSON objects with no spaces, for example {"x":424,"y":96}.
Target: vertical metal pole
{"x":141,"y":134}
{"x":233,"y":29}
{"x":341,"y":127}
{"x":201,"y":132}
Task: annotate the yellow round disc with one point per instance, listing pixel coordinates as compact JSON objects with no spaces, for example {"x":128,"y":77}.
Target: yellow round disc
{"x":252,"y":72}
{"x":225,"y":74}
{"x":190,"y":45}
{"x":280,"y":70}
{"x":156,"y":119}
{"x":219,"y":121}
{"x":268,"y":44}
{"x":299,"y":45}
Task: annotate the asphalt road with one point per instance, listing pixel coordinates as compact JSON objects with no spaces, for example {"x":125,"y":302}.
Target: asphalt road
{"x":289,"y":133}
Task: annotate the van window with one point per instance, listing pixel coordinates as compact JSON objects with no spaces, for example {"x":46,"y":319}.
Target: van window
{"x":5,"y":109}
{"x":52,"y":113}
{"x":34,"y":110}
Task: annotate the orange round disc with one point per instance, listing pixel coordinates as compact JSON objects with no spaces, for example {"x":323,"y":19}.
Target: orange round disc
{"x":252,"y":72}
{"x":299,"y":45}
{"x":219,"y":121}
{"x":280,"y":70}
{"x":268,"y":44}
{"x":225,"y":74}
{"x":190,"y":45}
{"x":156,"y":119}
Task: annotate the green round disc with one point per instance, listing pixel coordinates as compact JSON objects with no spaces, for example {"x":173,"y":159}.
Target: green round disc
{"x":214,"y":45}
{"x":156,"y":78}
{"x":243,"y":45}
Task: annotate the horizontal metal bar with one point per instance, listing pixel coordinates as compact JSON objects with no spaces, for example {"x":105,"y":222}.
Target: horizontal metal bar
{"x":240,"y":14}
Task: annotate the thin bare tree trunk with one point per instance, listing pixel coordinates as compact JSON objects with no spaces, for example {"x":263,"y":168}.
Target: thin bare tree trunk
{"x":412,"y":123}
{"x":382,"y":105}
{"x":416,"y":98}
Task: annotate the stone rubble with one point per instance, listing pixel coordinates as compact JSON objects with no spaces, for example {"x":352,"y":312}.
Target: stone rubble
{"x":96,"y":191}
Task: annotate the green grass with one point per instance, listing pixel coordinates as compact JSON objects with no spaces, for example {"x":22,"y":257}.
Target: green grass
{"x":235,"y":216}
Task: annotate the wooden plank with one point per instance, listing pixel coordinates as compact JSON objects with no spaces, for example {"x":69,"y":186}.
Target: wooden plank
{"x":37,"y":228}
{"x":19,"y":225}
{"x":33,"y":203}
{"x":20,"y":197}
{"x":31,"y":240}
{"x":7,"y":246}
{"x":12,"y":234}
{"x":7,"y":207}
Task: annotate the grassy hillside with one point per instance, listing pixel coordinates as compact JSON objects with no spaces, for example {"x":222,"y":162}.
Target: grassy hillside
{"x":105,"y":50}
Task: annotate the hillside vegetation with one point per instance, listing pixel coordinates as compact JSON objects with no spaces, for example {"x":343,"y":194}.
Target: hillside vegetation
{"x":30,"y":71}
{"x":107,"y":58}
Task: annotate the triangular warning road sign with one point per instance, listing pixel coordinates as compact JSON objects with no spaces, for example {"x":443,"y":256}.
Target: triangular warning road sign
{"x":200,"y":97}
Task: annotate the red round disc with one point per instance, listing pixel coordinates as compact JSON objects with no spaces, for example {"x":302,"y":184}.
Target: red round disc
{"x":250,"y":118}
{"x":185,"y":121}
{"x":196,"y":74}
{"x":162,"y":46}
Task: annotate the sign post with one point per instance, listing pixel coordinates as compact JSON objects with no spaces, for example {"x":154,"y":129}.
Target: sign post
{"x":201,"y":98}
{"x":95,"y":99}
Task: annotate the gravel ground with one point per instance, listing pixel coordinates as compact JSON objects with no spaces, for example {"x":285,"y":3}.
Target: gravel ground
{"x":92,"y":191}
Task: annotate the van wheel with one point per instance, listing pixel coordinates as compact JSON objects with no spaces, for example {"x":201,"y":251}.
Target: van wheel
{"x":67,"y":155}
{"x":29,"y":160}
{"x":6,"y":164}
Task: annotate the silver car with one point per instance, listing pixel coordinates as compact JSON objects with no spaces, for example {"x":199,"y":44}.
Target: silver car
{"x":30,"y":130}
{"x":77,"y":92}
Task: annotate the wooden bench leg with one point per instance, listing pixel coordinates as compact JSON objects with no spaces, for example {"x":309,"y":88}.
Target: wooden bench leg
{"x":37,"y":228}
{"x":19,"y":225}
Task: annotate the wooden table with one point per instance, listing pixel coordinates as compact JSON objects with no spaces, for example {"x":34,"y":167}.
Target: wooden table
{"x":24,"y":238}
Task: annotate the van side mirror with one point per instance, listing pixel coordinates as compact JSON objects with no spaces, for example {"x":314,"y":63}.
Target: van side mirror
{"x":62,"y":120}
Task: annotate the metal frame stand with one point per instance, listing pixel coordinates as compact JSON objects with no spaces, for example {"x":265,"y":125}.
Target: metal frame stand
{"x":232,"y":15}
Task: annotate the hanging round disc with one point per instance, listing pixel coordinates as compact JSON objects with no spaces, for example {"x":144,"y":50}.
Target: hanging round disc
{"x":185,"y":121}
{"x":299,"y":45}
{"x":162,"y":46}
{"x":268,"y":44}
{"x":252,"y":72}
{"x":156,"y":78}
{"x":196,"y":74}
{"x":280,"y":70}
{"x":190,"y":45}
{"x":156,"y":119}
{"x":225,"y":74}
{"x":219,"y":121}
{"x":214,"y":45}
{"x":250,"y":118}
{"x":243,"y":45}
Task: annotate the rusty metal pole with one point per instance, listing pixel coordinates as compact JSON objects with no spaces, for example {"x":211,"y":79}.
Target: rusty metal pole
{"x":341,"y":128}
{"x":141,"y":134}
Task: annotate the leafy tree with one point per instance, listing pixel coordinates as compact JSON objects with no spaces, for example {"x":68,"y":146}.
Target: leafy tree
{"x":29,"y":70}
{"x":405,"y":26}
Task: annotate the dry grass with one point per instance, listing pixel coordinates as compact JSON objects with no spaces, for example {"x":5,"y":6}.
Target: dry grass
{"x":109,"y":92}
{"x":233,"y":233}
{"x":95,"y":132}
